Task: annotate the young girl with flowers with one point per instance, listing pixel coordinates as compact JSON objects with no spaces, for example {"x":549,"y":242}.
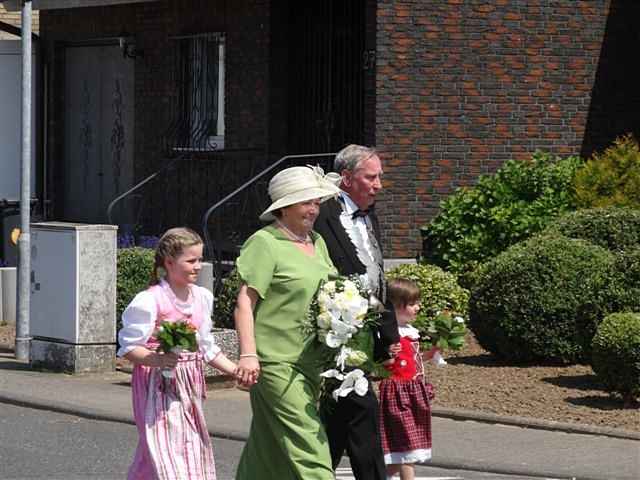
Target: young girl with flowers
{"x":405,"y":397}
{"x":173,"y":439}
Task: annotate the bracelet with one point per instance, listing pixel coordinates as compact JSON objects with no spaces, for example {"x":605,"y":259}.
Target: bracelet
{"x":245,"y":355}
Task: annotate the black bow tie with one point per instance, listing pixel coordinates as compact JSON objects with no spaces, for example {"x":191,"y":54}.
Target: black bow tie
{"x":362,"y":213}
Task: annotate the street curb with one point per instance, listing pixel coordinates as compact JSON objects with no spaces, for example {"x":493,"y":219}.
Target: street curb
{"x":527,"y":422}
{"x":453,"y":463}
{"x":453,"y":414}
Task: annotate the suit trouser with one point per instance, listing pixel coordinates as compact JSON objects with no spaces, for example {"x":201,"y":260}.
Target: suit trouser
{"x":352,"y":425}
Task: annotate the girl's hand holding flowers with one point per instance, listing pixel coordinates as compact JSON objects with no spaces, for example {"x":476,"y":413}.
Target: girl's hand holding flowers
{"x":445,"y":331}
{"x":174,"y":338}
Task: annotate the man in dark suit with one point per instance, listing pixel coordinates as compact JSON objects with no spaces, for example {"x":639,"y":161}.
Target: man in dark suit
{"x":351,"y":231}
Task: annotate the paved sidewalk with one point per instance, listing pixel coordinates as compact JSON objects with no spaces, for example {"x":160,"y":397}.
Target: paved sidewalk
{"x":462,"y":440}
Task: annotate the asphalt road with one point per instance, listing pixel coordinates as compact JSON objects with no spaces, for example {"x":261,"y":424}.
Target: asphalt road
{"x":39,"y":445}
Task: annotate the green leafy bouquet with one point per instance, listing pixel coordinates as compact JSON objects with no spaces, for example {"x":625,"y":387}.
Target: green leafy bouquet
{"x":176,"y":337}
{"x":445,"y":331}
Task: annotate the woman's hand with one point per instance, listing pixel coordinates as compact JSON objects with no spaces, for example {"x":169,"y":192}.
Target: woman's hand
{"x":248,"y":371}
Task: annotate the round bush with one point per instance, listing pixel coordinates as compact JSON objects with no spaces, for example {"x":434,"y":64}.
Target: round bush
{"x":225,"y":302}
{"x":519,"y":200}
{"x":439,"y":290}
{"x":616,"y":229}
{"x":542,"y":299}
{"x":628,"y":264}
{"x":616,"y":353}
{"x":133,"y":273}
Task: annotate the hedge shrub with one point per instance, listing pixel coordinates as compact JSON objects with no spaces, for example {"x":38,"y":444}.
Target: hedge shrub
{"x":611,"y":178}
{"x":542,"y":299}
{"x":613,"y":228}
{"x":225,"y":302}
{"x":439,"y":290}
{"x":133,"y":273}
{"x":520,"y":199}
{"x":616,"y":354}
{"x":628,"y":265}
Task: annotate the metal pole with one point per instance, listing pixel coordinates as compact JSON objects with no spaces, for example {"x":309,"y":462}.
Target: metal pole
{"x":24,"y":242}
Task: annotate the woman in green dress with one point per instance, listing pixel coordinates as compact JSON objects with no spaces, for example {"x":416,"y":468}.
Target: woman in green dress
{"x":281,"y":267}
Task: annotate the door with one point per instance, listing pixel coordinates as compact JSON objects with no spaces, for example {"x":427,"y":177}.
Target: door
{"x":98,"y":126}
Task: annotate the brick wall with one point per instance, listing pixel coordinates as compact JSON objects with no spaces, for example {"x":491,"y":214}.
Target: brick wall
{"x":463,"y":85}
{"x":14,"y":18}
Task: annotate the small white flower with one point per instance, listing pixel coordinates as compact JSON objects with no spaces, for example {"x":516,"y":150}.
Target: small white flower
{"x":353,"y":381}
{"x":324,"y":320}
{"x":329,"y":287}
{"x":459,"y":319}
{"x":332,"y":373}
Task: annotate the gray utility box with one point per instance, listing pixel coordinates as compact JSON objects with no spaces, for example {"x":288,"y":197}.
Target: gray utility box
{"x":73,"y":297}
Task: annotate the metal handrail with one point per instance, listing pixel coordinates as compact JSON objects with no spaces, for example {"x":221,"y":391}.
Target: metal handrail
{"x":205,"y":219}
{"x":138,"y":185}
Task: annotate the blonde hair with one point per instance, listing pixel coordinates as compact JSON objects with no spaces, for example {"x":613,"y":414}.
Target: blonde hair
{"x":171,"y":244}
{"x":402,"y":291}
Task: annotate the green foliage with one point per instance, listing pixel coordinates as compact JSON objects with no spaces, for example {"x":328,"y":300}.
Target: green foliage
{"x":439,"y":292}
{"x":611,"y":178}
{"x":445,"y":331}
{"x":613,"y":228}
{"x":519,"y":200}
{"x":225,"y":302}
{"x":180,"y":335}
{"x":543,"y":298}
{"x":133,"y":272}
{"x":628,"y":265}
{"x":616,"y":353}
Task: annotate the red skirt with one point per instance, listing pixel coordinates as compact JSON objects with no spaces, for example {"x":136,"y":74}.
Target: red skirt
{"x":405,"y":421}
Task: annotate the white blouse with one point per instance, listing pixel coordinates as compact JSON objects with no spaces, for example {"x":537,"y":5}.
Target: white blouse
{"x":139,"y":321}
{"x":409,"y":331}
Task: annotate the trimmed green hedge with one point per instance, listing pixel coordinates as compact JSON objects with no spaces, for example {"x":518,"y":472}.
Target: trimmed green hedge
{"x":133,"y":273}
{"x":616,"y":354}
{"x":439,"y":290}
{"x":542,"y":299}
{"x":225,"y":302}
{"x":615,"y":229}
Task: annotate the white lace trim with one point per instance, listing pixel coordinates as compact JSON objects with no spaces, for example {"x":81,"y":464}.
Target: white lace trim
{"x":420,"y":455}
{"x":372,"y":276}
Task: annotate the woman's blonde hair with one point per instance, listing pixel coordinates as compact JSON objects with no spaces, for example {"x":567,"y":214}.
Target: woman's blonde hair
{"x":172,"y":243}
{"x":402,"y":291}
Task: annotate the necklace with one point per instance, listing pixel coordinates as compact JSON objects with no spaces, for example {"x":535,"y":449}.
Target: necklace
{"x":294,"y":236}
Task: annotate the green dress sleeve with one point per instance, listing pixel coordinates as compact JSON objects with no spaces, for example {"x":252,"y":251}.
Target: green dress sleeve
{"x":256,"y":263}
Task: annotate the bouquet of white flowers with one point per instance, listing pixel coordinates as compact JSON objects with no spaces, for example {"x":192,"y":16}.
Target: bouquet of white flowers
{"x":341,"y":314}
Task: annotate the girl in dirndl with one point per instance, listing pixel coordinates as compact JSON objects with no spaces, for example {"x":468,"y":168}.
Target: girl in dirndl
{"x":174,"y":442}
{"x":405,"y":397}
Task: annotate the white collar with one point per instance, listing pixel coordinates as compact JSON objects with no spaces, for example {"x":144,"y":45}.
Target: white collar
{"x":409,"y":331}
{"x":349,"y":205}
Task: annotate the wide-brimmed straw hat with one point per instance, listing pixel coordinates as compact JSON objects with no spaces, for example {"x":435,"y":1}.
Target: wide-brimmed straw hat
{"x":300,"y":184}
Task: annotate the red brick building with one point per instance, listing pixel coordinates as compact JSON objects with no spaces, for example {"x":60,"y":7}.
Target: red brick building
{"x":446,"y":89}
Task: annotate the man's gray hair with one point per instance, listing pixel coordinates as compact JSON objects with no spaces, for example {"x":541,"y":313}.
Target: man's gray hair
{"x":350,"y":156}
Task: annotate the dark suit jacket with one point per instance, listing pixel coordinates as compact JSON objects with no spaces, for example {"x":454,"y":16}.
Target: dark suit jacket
{"x":344,"y":256}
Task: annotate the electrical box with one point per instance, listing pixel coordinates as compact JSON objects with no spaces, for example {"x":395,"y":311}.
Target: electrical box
{"x":73,"y":296}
